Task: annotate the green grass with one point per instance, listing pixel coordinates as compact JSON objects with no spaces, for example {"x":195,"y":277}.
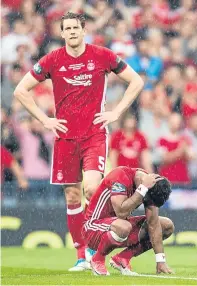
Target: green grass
{"x":44,"y":266}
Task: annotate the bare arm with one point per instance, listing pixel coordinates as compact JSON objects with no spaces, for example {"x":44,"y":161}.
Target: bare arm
{"x":23,"y":95}
{"x":156,"y":238}
{"x":154,"y":229}
{"x":18,"y":172}
{"x":135,"y":86}
{"x":113,"y":157}
{"x":146,"y":161}
{"x":124,"y":206}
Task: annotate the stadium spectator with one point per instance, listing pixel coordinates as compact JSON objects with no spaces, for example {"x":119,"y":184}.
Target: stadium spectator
{"x":9,"y":84}
{"x":152,"y":118}
{"x":146,"y":61}
{"x":129,"y":147}
{"x":191,"y":134}
{"x":174,"y":153}
{"x":8,"y":161}
{"x":36,"y":163}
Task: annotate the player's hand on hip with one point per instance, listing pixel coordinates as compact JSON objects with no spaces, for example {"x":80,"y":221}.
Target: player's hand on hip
{"x":55,"y":124}
{"x":149,"y":180}
{"x":105,"y":118}
{"x":162,"y":267}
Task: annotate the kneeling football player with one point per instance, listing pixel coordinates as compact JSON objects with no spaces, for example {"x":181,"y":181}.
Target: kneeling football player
{"x":110,"y":225}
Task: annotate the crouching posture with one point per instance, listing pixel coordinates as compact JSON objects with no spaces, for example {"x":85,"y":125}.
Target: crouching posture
{"x":109,"y":223}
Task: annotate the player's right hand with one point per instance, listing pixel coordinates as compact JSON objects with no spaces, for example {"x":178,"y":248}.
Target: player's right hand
{"x":149,"y":180}
{"x":162,"y":267}
{"x":55,"y":124}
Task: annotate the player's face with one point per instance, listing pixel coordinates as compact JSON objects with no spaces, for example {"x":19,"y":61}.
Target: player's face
{"x":73,"y":33}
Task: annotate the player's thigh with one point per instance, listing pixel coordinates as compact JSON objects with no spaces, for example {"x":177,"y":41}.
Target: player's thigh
{"x":66,"y":165}
{"x":73,"y":194}
{"x":137,"y":231}
{"x":91,"y":180}
{"x":93,"y":231}
{"x":94,"y":152}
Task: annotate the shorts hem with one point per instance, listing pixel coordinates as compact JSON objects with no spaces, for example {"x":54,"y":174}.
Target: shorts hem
{"x":65,"y":183}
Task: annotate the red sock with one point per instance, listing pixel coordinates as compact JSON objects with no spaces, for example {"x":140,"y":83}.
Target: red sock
{"x":75,"y":219}
{"x":135,"y":250}
{"x":106,"y":245}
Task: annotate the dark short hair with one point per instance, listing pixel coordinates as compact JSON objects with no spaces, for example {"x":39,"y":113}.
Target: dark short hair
{"x":70,"y":15}
{"x":160,"y":193}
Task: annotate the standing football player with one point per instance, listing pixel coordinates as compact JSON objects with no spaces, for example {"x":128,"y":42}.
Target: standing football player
{"x":110,"y":224}
{"x":79,"y":75}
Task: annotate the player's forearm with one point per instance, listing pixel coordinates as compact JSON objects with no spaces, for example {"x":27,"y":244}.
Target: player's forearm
{"x":155,"y":234}
{"x":130,"y":95}
{"x":129,"y":205}
{"x":154,"y":229}
{"x":28,"y":102}
{"x":17,"y":171}
{"x":113,"y":156}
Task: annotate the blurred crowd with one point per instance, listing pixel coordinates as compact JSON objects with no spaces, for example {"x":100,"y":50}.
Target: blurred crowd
{"x":157,"y":39}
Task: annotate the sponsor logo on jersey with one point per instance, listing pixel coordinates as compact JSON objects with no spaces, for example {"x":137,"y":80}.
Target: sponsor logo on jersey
{"x":118,"y":188}
{"x":37,"y":68}
{"x":76,"y":66}
{"x":83,"y":79}
{"x":91,"y":66}
{"x":63,"y":68}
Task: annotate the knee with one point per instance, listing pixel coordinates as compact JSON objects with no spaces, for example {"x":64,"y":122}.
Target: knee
{"x":122,"y":228}
{"x":168,"y":227}
{"x":72,"y":196}
{"x":126,"y":229}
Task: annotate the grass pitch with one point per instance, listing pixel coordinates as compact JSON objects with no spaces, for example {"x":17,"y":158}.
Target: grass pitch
{"x":45,"y":266}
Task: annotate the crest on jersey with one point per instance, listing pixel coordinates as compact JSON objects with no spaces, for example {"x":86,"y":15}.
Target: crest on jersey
{"x":91,"y":66}
{"x":59,"y":176}
{"x":118,"y":188}
{"x":37,"y":68}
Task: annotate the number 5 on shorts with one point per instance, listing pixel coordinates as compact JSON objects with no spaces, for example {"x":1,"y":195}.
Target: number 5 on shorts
{"x":101,"y":165}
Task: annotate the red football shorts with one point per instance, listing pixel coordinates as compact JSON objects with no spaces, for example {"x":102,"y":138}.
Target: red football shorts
{"x":93,"y":231}
{"x":71,"y":156}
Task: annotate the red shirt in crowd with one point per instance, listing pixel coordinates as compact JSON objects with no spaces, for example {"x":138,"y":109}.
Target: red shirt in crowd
{"x":6,"y":161}
{"x":129,"y":149}
{"x":79,"y":86}
{"x":176,"y":172}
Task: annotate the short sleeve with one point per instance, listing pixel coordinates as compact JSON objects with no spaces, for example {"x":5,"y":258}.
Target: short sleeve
{"x":113,"y":62}
{"x":119,"y":182}
{"x":7,"y":158}
{"x":42,"y":69}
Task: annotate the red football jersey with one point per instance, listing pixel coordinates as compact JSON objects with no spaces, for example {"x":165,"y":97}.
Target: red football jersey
{"x":129,"y":149}
{"x":176,"y":172}
{"x":120,"y":181}
{"x":6,"y":160}
{"x":79,"y":86}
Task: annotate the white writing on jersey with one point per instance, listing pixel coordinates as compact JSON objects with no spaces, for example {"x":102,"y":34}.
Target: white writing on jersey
{"x":76,"y":66}
{"x":83,"y":79}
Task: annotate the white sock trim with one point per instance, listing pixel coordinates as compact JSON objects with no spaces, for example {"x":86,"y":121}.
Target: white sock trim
{"x":87,"y":202}
{"x":116,"y":237}
{"x":75,"y":211}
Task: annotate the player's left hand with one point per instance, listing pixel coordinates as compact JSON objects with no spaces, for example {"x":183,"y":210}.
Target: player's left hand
{"x":162,"y":267}
{"x":105,"y":118}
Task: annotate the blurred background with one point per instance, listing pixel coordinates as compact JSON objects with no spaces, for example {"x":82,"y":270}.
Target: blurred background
{"x":158,"y":40}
